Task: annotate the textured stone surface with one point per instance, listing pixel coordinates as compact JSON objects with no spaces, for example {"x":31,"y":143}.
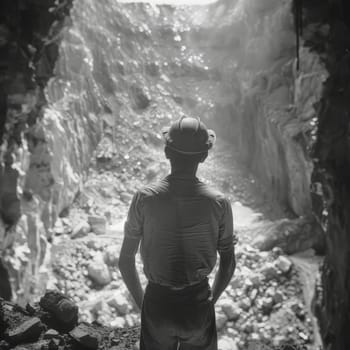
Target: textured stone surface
{"x":35,"y":332}
{"x":276,"y":114}
{"x":62,"y":309}
{"x":331,"y":186}
{"x":27,"y":331}
{"x":98,"y":271}
{"x":86,"y":336}
{"x":291,"y":236}
{"x":49,"y":127}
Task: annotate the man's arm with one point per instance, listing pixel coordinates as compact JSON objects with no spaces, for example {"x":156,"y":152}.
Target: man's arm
{"x":128,"y":270}
{"x":223,"y":276}
{"x":226,"y":248}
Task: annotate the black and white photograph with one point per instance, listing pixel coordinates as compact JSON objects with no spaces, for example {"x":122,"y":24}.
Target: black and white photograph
{"x":175,"y":174}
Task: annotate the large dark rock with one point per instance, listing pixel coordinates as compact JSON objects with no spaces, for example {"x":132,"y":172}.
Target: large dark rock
{"x":28,"y":331}
{"x":63,"y":310}
{"x":21,"y":331}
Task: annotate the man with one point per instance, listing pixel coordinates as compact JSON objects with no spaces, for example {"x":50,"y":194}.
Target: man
{"x":181,"y":224}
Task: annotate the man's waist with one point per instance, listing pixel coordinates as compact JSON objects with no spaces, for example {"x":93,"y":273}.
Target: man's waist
{"x":175,"y":288}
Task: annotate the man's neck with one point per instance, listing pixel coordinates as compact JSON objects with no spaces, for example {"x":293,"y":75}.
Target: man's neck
{"x":190,"y":173}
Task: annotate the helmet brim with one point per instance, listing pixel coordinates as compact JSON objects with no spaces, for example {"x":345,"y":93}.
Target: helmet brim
{"x":210,"y":143}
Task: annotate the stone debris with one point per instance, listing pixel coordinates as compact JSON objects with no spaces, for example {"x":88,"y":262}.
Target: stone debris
{"x":81,"y":229}
{"x":227,"y":343}
{"x":86,"y":336}
{"x":51,"y":334}
{"x":28,"y":331}
{"x":120,"y":303}
{"x":98,"y":224}
{"x":111,"y":255}
{"x":283,"y":264}
{"x":269,"y":271}
{"x":230,"y":309}
{"x":61,"y":308}
{"x":98,"y":271}
{"x":221,"y":320}
{"x":290,"y":236}
{"x":260,"y":288}
{"x":19,"y":331}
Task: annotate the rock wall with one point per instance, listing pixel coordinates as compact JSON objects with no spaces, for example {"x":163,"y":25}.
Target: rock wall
{"x":277,"y":118}
{"x":293,"y":131}
{"x":331,"y":185}
{"x":49,"y":128}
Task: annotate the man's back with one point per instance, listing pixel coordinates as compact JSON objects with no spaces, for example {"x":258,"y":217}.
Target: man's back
{"x":182,"y":223}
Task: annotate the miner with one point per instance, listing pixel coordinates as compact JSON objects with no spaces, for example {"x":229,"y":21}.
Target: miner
{"x":182,"y":224}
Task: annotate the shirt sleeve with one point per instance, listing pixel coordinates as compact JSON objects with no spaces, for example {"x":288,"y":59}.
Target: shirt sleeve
{"x":133,"y":227}
{"x":227,"y":238}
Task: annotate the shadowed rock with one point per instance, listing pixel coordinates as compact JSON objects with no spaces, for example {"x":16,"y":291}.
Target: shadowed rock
{"x":291,"y":236}
{"x":63,"y":310}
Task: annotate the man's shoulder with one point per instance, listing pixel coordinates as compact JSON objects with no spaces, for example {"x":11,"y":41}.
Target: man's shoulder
{"x":212,"y":193}
{"x":152,"y":189}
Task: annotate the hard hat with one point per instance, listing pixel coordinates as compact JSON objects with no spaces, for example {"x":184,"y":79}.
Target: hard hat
{"x":189,"y":136}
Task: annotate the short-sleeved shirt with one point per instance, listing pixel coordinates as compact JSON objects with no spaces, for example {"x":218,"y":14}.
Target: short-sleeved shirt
{"x":182,"y":224}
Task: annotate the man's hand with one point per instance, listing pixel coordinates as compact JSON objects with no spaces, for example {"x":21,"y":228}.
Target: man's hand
{"x":128,"y":270}
{"x":225,"y":273}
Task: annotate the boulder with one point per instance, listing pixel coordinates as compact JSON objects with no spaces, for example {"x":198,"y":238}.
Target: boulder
{"x":283,"y":264}
{"x":269,"y":271}
{"x":98,"y":271}
{"x":111,"y":255}
{"x":245,"y":304}
{"x":28,"y":331}
{"x":221,"y":320}
{"x":51,"y":334}
{"x":231,"y":310}
{"x":120,"y":303}
{"x":81,"y":229}
{"x":267,"y":305}
{"x":86,"y":336}
{"x":98,"y":224}
{"x":118,"y":322}
{"x":61,"y":308}
{"x":290,"y":235}
{"x":227,"y":343}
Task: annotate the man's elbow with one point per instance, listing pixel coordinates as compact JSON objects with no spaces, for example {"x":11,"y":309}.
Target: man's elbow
{"x":125,"y":263}
{"x":233,"y":266}
{"x":228,"y":266}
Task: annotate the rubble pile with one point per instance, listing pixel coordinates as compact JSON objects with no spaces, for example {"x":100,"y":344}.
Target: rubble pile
{"x":52,"y":324}
{"x":264,"y":302}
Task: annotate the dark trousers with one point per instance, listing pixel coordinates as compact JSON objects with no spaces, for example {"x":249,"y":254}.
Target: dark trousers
{"x":172,"y":318}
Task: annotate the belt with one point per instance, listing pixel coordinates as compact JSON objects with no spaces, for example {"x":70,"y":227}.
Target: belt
{"x":180,"y":288}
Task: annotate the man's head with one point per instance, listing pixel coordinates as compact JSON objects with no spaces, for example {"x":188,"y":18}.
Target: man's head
{"x":187,"y":141}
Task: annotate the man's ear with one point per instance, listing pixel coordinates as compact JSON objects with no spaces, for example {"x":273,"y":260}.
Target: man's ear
{"x":166,"y":152}
{"x":204,"y":157}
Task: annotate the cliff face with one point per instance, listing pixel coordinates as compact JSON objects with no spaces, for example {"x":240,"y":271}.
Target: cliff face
{"x":276,"y":121}
{"x":49,"y":128}
{"x":331,"y":195}
{"x":294,"y":129}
